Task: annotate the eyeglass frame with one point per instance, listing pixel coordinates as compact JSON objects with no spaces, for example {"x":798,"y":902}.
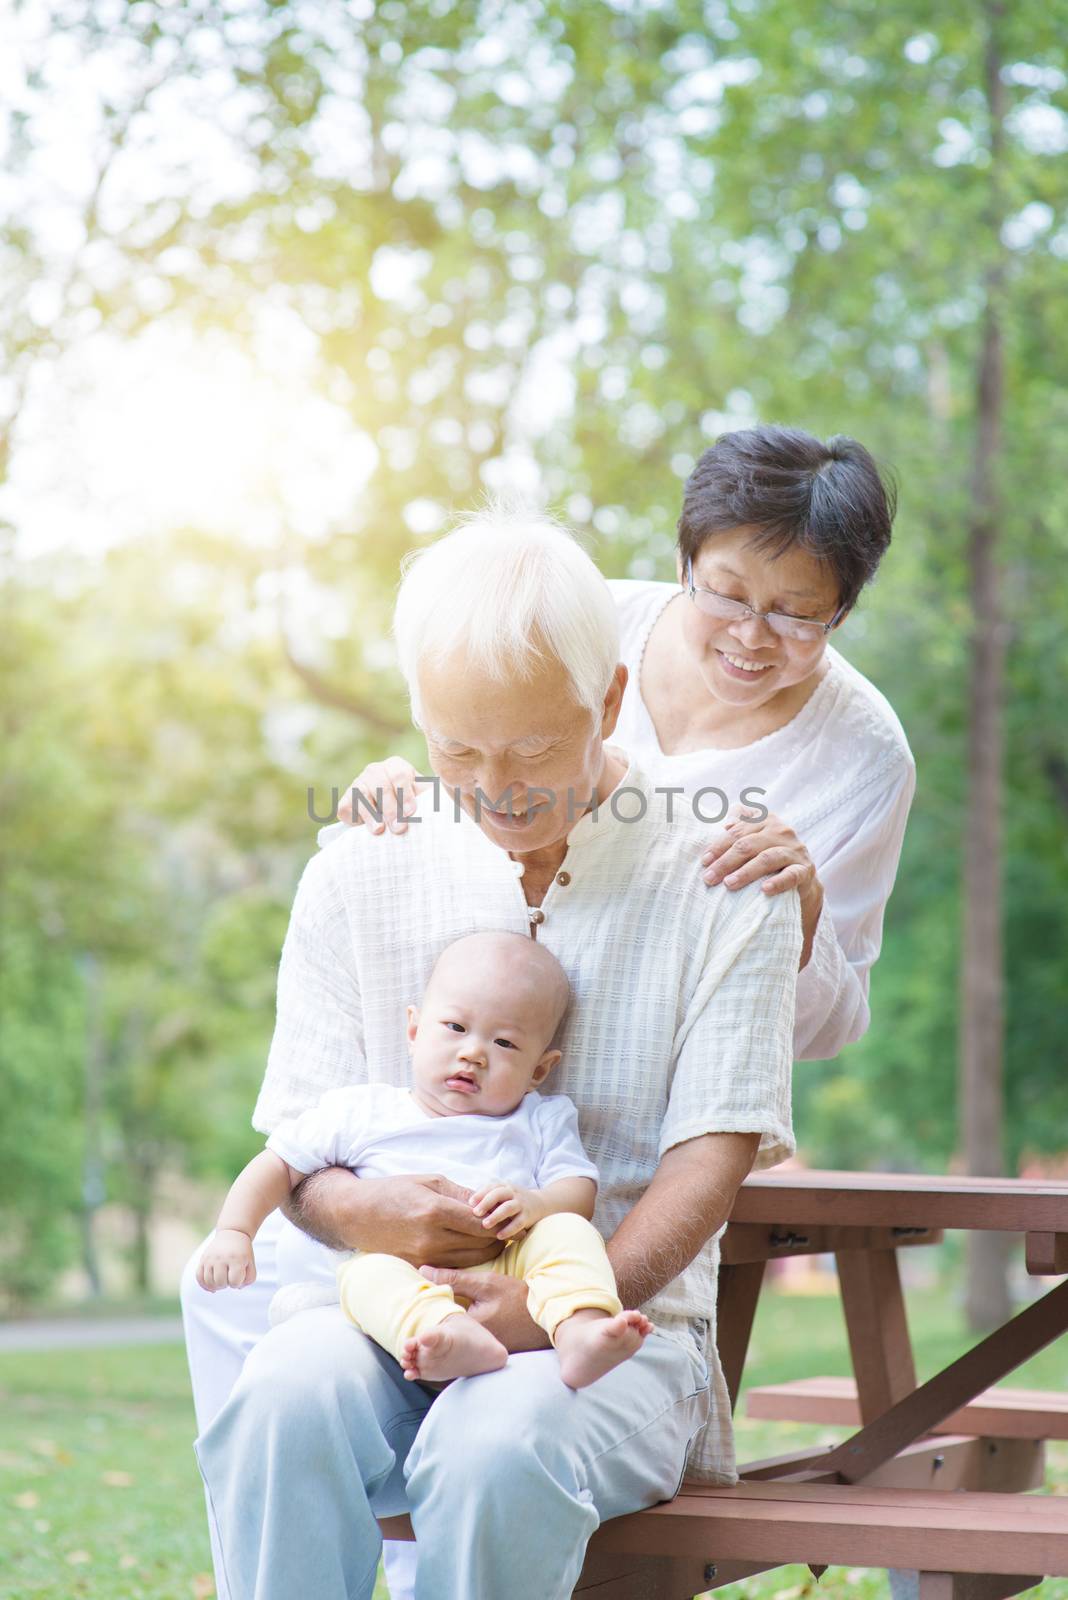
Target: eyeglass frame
{"x":746,"y":610}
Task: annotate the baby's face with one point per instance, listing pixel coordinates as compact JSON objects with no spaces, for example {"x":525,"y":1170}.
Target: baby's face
{"x":479,"y":1042}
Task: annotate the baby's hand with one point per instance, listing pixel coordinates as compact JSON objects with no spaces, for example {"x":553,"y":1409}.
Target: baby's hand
{"x":227,"y":1261}
{"x":505,"y":1209}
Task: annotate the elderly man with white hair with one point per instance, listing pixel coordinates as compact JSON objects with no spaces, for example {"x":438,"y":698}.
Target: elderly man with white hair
{"x":677,"y":1052}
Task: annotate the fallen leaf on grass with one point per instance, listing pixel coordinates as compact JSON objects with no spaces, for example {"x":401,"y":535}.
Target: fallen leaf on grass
{"x":27,"y":1501}
{"x":78,"y":1558}
{"x":117,"y":1480}
{"x":54,"y":1451}
{"x":203,"y":1586}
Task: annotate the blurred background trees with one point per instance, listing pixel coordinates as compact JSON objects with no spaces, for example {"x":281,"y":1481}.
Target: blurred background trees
{"x":287,"y":283}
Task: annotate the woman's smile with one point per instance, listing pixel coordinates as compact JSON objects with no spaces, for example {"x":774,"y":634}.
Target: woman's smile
{"x":742,"y":666}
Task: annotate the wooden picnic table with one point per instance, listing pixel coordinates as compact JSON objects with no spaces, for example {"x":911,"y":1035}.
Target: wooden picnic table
{"x":930,"y":1479}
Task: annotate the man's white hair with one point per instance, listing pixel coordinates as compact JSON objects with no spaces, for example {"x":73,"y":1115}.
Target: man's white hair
{"x":504,"y":590}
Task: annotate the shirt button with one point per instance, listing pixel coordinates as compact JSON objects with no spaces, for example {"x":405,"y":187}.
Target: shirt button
{"x":518,"y":868}
{"x":563,"y":879}
{"x":536,"y":915}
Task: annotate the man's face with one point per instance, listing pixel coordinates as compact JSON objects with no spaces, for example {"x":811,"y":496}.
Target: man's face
{"x":506,"y":742}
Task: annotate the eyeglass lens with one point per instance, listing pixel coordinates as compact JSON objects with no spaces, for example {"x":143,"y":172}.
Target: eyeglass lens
{"x":720,"y":605}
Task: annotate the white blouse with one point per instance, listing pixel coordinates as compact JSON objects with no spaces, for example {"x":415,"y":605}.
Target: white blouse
{"x":681,"y":1017}
{"x":840,"y":773}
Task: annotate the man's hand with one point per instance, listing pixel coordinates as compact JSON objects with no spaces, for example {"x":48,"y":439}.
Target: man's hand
{"x":506,"y":1210}
{"x":500,"y":1304}
{"x":227,"y":1261}
{"x":421,"y":1218}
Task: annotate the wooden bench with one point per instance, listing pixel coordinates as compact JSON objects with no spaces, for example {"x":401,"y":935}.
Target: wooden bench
{"x":931,"y":1480}
{"x":716,"y":1536}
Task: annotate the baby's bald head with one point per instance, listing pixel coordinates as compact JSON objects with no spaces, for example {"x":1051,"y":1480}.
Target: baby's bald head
{"x":514,"y":965}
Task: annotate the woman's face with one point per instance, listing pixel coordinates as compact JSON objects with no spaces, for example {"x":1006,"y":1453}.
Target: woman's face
{"x":742,"y":661}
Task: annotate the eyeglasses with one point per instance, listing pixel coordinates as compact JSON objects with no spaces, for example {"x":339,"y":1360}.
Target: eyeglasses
{"x":805,"y":629}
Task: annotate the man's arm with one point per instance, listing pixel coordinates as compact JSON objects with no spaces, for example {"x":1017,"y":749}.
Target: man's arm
{"x":689,"y":1199}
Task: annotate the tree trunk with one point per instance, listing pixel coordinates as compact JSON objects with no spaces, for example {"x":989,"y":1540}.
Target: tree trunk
{"x":92,"y":1159}
{"x":142,"y":1241}
{"x":982,"y":1004}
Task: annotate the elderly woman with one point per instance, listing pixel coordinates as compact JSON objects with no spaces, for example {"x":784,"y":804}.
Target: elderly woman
{"x":734,"y":688}
{"x":676,"y":1052}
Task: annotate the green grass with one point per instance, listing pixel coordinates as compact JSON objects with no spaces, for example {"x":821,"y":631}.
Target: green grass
{"x":100,"y":1496}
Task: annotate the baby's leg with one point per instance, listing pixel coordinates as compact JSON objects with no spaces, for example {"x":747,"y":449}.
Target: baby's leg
{"x":572,"y":1295}
{"x":417,"y":1321}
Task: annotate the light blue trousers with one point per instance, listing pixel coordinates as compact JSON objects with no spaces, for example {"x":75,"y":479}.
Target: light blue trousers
{"x":506,"y":1475}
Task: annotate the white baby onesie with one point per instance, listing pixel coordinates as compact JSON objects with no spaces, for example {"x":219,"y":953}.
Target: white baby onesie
{"x":380,"y":1131}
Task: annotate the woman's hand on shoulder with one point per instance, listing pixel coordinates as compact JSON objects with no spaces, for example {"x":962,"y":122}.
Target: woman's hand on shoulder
{"x":754,"y":848}
{"x":389,"y":793}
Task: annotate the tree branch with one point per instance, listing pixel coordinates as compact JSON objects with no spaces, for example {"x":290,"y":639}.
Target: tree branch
{"x":331,"y":694}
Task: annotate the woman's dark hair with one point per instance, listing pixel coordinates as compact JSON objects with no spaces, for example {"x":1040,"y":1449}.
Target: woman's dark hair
{"x":795,"y":493}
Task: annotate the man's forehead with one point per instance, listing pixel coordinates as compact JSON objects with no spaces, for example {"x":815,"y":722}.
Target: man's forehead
{"x":470,"y":708}
{"x":470,"y":735}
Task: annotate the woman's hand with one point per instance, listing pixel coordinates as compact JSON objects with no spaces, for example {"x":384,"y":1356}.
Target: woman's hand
{"x":394,"y":780}
{"x":499,"y":1303}
{"x":768,"y":849}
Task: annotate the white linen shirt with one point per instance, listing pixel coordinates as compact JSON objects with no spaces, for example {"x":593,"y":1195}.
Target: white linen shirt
{"x":680,"y":1024}
{"x":840,"y":773}
{"x":381,"y":1131}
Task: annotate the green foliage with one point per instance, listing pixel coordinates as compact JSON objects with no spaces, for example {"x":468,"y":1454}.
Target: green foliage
{"x":568,"y":244}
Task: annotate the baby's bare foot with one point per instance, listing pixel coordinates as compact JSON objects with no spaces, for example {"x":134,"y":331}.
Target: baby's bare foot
{"x":589,"y":1344}
{"x":459,"y":1347}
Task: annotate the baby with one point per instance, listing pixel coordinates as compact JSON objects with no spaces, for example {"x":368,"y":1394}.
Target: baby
{"x":480,"y":1046}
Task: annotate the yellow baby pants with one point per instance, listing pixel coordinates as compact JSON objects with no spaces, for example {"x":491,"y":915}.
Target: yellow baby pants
{"x":562,"y":1260}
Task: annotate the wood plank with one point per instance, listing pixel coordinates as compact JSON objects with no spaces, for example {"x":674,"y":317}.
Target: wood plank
{"x":751,"y":1241}
{"x":920,"y":1412}
{"x":1047,"y":1254}
{"x":396,"y":1528}
{"x":1005,"y":1413}
{"x":737,"y":1294}
{"x":958,"y":1461}
{"x":878,"y":1329}
{"x":854,"y":1526}
{"x":972,"y":1585}
{"x":1002,"y":1466}
{"x":796,"y":1200}
{"x":611,"y":1577}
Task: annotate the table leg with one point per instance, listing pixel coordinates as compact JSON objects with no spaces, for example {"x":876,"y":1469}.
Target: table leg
{"x":877,"y":1324}
{"x":736,"y":1303}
